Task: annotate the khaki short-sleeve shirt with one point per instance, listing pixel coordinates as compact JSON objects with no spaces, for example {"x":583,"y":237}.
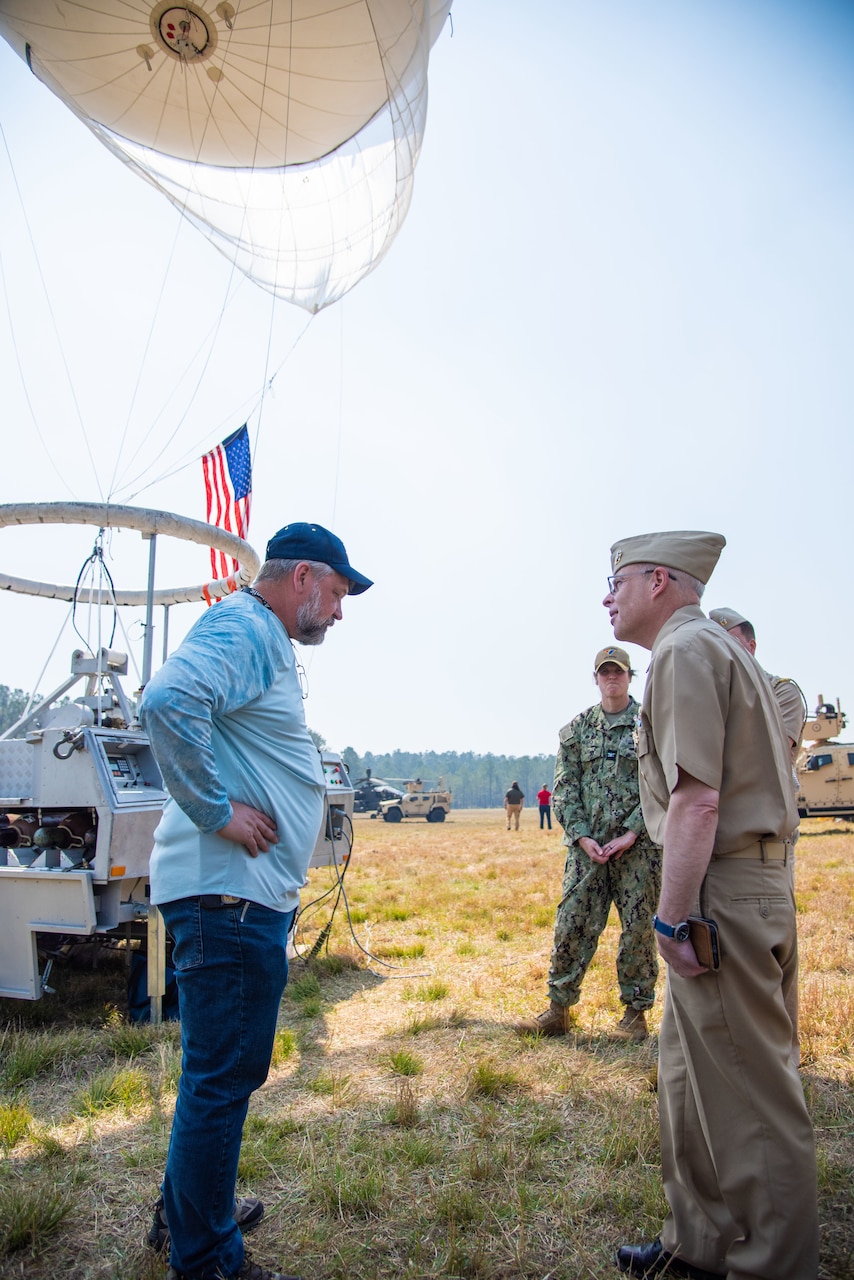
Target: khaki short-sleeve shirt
{"x":791,"y":705}
{"x":709,"y":710}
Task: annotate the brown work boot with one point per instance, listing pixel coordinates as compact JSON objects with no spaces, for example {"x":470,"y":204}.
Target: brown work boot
{"x":555,"y":1021}
{"x":632,"y":1026}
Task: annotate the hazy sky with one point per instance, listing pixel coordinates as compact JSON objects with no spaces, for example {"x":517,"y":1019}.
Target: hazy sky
{"x":622,"y":300}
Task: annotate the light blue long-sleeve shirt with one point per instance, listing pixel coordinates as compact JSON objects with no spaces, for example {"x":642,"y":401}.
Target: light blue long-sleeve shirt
{"x":226,"y":722}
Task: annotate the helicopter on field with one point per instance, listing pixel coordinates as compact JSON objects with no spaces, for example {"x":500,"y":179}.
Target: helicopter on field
{"x":370,"y":793}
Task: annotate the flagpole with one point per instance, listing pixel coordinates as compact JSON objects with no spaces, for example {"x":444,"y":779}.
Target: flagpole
{"x":149,"y":610}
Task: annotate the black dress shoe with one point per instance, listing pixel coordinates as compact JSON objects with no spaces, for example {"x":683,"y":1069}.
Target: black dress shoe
{"x":642,"y":1259}
{"x":652,"y":1260}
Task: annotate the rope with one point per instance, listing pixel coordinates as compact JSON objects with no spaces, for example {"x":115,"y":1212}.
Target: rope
{"x":55,"y":328}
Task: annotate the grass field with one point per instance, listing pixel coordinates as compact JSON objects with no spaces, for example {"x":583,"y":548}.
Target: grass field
{"x":405,"y":1131}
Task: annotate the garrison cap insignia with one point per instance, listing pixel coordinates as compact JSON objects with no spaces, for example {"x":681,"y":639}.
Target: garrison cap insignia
{"x":693,"y":551}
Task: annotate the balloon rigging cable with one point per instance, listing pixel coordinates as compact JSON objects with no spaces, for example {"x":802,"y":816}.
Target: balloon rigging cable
{"x":80,"y":421}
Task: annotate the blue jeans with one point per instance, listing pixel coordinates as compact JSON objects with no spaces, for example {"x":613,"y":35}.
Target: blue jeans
{"x":231,"y":967}
{"x":545,"y":812}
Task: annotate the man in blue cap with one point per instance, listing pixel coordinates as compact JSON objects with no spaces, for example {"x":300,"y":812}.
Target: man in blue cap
{"x":226,"y":722}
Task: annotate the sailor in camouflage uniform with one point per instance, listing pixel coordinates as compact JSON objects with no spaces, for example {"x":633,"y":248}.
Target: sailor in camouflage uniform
{"x":610,"y":857}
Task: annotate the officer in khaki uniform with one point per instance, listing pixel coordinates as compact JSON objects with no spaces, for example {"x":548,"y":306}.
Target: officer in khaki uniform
{"x":737,"y":1147}
{"x":790,"y":698}
{"x":793,"y":709}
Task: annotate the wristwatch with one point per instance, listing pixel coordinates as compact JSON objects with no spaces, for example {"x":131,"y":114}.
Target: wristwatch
{"x":680,"y":932}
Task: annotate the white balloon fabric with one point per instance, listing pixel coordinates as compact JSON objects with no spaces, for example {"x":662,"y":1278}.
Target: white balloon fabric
{"x":287,"y":131}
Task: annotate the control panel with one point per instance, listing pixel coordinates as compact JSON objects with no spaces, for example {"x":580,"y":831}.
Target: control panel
{"x":130,"y":770}
{"x":336,"y":775}
{"x":336,"y":831}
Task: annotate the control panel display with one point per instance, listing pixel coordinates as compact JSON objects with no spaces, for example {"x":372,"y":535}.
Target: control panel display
{"x":130,"y":768}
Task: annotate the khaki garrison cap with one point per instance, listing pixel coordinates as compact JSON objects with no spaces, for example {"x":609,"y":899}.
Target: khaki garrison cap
{"x":691,"y":550}
{"x":728,"y":618}
{"x":611,"y":654}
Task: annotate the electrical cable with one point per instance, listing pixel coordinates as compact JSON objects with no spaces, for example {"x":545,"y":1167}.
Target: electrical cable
{"x":323,"y":937}
{"x":97,"y":557}
{"x":339,"y":881}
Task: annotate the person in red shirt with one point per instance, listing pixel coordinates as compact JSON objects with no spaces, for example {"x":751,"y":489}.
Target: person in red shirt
{"x":544,"y":798}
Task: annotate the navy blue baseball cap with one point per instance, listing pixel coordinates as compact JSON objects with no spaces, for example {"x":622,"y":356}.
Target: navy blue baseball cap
{"x":301,"y":541}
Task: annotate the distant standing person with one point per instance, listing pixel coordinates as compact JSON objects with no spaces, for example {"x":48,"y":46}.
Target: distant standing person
{"x":544,"y":799}
{"x":514,"y":798}
{"x":610,"y":857}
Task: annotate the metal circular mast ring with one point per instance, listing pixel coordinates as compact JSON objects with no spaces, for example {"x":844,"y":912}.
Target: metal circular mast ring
{"x":146,"y":520}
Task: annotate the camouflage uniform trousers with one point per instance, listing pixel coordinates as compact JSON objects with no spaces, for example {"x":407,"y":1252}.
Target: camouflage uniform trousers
{"x":632,"y":882}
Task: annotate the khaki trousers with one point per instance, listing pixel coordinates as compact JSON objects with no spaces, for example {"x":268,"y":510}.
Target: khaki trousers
{"x":513,"y":811}
{"x":737,"y":1146}
{"x":790,"y":982}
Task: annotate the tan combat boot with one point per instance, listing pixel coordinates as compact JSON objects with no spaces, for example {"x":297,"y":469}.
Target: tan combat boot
{"x":632,"y":1026}
{"x":555,"y":1021}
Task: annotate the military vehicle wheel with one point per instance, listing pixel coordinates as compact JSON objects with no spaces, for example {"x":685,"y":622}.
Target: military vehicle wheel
{"x":436,"y":815}
{"x":393,"y":815}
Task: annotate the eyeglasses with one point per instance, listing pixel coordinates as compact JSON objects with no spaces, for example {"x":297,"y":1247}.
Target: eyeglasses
{"x":618,"y":579}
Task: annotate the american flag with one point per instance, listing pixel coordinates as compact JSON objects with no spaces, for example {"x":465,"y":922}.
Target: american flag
{"x":228,"y":492}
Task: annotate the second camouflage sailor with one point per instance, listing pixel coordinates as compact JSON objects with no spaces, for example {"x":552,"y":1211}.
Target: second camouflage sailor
{"x":610,"y":857}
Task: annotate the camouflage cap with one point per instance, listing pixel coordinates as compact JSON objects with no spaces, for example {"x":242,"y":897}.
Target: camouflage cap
{"x":619,"y":656}
{"x":728,"y":618}
{"x":693,"y":551}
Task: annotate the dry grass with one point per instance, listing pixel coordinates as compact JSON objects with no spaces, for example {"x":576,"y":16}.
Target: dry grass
{"x":405,"y":1130}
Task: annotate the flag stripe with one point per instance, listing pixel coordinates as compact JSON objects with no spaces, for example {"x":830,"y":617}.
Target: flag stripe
{"x":227,"y":472}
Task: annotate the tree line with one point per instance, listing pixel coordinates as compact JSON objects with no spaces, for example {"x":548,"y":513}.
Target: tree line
{"x":477,"y":781}
{"x":13,"y":703}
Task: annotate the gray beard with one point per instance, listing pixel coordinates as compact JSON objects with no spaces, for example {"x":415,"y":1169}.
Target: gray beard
{"x":311,"y":624}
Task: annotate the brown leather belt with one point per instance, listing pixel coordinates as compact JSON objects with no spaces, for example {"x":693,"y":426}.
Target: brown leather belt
{"x":760,"y":851}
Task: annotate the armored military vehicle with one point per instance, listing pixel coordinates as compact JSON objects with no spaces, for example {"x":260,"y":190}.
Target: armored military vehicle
{"x":418,"y":803}
{"x":825,"y":767}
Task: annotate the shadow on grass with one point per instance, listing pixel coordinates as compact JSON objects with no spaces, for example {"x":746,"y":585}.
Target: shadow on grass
{"x":88,"y":983}
{"x":834,"y":831}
